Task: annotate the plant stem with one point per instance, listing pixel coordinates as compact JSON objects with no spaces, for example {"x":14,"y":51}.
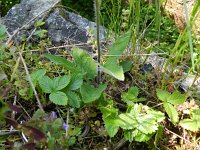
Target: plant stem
{"x":97,"y":13}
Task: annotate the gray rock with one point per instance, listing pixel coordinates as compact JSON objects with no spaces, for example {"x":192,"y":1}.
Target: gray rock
{"x":62,"y":26}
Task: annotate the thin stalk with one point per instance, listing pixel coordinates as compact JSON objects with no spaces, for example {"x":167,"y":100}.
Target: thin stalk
{"x":97,"y":13}
{"x":189,"y":33}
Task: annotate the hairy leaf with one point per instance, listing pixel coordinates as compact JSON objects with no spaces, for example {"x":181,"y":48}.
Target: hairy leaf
{"x":74,"y":99}
{"x":90,"y":93}
{"x":60,"y":82}
{"x":176,"y":98}
{"x":46,"y":84}
{"x":171,"y":111}
{"x":162,"y":95}
{"x":76,"y":82}
{"x":85,"y":63}
{"x":59,"y":98}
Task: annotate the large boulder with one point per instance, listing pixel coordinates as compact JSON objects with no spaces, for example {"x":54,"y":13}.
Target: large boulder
{"x":62,"y":26}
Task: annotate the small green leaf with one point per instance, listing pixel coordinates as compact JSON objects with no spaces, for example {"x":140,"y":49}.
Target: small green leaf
{"x":46,"y":84}
{"x":189,"y":124}
{"x":176,"y":98}
{"x":58,"y":98}
{"x":89,"y":93}
{"x":111,"y":126}
{"x":60,"y":82}
{"x":84,"y":62}
{"x":40,"y":33}
{"x":3,"y":34}
{"x":62,"y":61}
{"x":171,"y":111}
{"x":39,"y":23}
{"x":74,"y":99}
{"x":192,"y":124}
{"x":162,"y":95}
{"x":37,"y":75}
{"x":76,"y":82}
{"x":131,"y":95}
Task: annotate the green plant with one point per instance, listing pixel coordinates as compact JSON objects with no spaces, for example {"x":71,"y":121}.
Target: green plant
{"x":139,"y":122}
{"x":168,"y":100}
{"x":192,"y":124}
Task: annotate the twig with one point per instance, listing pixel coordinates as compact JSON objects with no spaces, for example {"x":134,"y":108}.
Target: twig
{"x":178,"y":135}
{"x":30,"y":81}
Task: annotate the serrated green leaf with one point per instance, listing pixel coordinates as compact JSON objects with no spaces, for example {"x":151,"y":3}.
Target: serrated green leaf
{"x":85,"y":63}
{"x":141,"y":137}
{"x":176,"y":98}
{"x":159,"y":116}
{"x":171,"y":111}
{"x":60,"y":82}
{"x":37,"y":75}
{"x":46,"y":84}
{"x":190,"y":124}
{"x":76,"y":82}
{"x":74,"y":99}
{"x":147,"y":124}
{"x":59,"y":98}
{"x":131,"y":95}
{"x":111,"y":126}
{"x":162,"y":95}
{"x":127,"y":121}
{"x":62,"y":61}
{"x":130,"y":134}
{"x":89,"y":93}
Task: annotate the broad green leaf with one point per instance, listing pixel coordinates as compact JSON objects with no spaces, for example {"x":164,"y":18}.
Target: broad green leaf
{"x":190,"y":124}
{"x":130,"y":134}
{"x":111,"y":66}
{"x":141,"y":137}
{"x":59,"y":98}
{"x":62,"y":61}
{"x":171,"y":111}
{"x":89,"y":93}
{"x":147,"y":124}
{"x":76,"y":82}
{"x":126,"y":65}
{"x":162,"y":95}
{"x":119,"y":46}
{"x":159,"y":135}
{"x":74,"y":99}
{"x":176,"y":98}
{"x":113,"y":69}
{"x":37,"y":75}
{"x":46,"y":84}
{"x":159,"y":116}
{"x":127,"y":121}
{"x":60,"y":82}
{"x":85,"y":63}
{"x":111,"y":126}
